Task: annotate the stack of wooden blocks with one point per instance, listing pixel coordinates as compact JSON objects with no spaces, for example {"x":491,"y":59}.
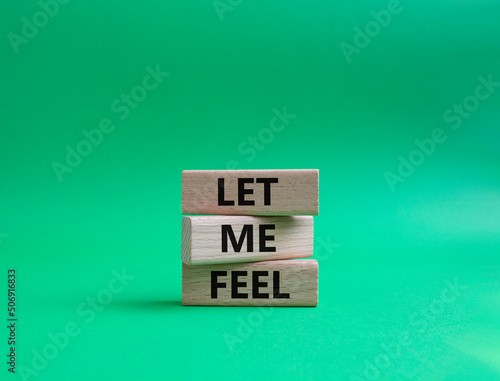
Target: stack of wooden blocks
{"x":243,"y":254}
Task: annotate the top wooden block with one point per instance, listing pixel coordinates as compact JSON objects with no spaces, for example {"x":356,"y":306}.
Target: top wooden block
{"x":251,"y":192}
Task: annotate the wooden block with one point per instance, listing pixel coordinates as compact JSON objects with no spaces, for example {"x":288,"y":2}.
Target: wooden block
{"x":292,"y":282}
{"x":224,"y":239}
{"x":252,"y":192}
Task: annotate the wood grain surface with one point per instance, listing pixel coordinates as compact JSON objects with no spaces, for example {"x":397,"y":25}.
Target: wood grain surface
{"x":226,"y":239}
{"x":292,"y":282}
{"x":251,"y":192}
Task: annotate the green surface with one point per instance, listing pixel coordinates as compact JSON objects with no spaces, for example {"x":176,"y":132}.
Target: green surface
{"x":386,"y":253}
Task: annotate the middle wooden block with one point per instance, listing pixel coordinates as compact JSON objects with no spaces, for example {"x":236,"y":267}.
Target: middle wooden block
{"x":225,"y":239}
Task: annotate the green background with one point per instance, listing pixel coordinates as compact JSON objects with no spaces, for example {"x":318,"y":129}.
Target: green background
{"x":385,"y":255}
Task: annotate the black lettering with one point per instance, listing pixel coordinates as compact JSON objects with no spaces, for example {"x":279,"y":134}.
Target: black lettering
{"x":263,"y":238}
{"x":215,"y":284}
{"x":235,"y":285}
{"x":247,"y":232}
{"x":267,"y":188}
{"x":256,"y":285}
{"x":242,"y":191}
{"x":276,"y":287}
{"x":221,"y":194}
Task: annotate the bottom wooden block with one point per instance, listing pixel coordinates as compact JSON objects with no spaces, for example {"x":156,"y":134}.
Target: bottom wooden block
{"x":292,"y":282}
